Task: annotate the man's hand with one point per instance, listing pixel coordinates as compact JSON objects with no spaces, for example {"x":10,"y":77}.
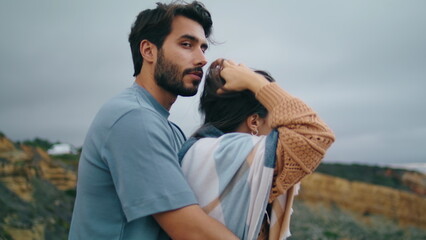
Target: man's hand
{"x":191,"y":222}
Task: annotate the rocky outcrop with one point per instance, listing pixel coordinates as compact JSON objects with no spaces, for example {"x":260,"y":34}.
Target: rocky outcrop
{"x":405,"y":208}
{"x":36,"y":196}
{"x":6,"y":145}
{"x":36,"y":232}
{"x":34,"y":201}
{"x":415,"y":181}
{"x":20,"y":164}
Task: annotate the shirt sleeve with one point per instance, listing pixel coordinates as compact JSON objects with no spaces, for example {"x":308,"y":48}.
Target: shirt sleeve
{"x":144,"y":167}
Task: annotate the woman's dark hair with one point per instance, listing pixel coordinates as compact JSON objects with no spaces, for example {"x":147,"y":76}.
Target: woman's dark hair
{"x":154,"y":25}
{"x":228,"y":110}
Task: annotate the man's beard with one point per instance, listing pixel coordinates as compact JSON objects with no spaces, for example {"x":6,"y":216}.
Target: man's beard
{"x":168,"y":76}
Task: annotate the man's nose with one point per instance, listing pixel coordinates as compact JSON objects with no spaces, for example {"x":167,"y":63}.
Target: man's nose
{"x":200,"y":59}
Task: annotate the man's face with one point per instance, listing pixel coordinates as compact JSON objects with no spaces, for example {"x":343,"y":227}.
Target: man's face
{"x":180,"y":60}
{"x":169,"y":76}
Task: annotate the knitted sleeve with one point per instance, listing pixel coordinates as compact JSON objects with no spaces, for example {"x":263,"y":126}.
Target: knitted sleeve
{"x":303,"y":137}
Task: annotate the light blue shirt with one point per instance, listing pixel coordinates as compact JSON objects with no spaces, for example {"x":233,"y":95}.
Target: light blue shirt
{"x":129,"y":170}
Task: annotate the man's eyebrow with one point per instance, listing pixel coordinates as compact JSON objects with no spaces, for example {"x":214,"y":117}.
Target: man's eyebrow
{"x":204,"y":45}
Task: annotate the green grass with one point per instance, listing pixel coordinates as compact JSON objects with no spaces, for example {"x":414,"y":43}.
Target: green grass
{"x":322,"y":222}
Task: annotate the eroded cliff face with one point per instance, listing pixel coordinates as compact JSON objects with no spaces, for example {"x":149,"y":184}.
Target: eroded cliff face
{"x":416,"y":182}
{"x":33,"y":188}
{"x":19,"y":165}
{"x":39,"y":208}
{"x":405,"y":208}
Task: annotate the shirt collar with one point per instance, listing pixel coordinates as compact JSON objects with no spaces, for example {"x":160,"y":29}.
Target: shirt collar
{"x":149,"y":98}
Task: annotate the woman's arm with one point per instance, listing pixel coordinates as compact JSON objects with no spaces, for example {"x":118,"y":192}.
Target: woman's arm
{"x":191,"y":222}
{"x":303,"y":137}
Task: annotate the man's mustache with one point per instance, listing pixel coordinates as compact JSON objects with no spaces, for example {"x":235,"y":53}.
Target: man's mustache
{"x":196,"y":70}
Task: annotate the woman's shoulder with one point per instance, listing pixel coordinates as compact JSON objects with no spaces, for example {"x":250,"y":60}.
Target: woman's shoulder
{"x":229,"y":142}
{"x":239,"y":137}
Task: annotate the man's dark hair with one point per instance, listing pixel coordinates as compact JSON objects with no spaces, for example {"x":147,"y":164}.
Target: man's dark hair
{"x":154,"y":25}
{"x":228,"y":110}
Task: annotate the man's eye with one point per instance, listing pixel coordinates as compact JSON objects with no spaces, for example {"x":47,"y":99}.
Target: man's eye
{"x":186,"y":44}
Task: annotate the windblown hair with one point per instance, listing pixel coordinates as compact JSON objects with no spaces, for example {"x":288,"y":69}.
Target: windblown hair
{"x":154,"y":25}
{"x":228,"y":110}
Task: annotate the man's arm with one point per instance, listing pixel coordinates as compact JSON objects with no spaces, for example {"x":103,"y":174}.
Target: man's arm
{"x":191,"y":222}
{"x":138,"y":154}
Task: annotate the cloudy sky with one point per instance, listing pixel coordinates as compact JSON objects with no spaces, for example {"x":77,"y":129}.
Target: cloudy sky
{"x":360,"y":64}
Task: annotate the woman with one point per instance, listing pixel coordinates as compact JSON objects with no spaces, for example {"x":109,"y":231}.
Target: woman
{"x":257,"y":142}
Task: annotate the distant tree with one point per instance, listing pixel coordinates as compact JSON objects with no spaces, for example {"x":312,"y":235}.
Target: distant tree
{"x":38,"y":142}
{"x":2,"y":134}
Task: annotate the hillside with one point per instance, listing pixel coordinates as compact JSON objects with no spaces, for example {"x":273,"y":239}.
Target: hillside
{"x":335,"y":208}
{"x":400,"y":179}
{"x":36,"y":193}
{"x":337,"y":202}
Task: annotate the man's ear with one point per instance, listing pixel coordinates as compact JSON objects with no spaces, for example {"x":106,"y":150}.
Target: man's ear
{"x":148,"y":51}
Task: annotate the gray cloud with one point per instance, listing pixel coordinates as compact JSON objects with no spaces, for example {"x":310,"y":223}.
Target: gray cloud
{"x":359,"y":64}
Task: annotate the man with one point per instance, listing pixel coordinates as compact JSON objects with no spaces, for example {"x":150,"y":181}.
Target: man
{"x":130,"y":185}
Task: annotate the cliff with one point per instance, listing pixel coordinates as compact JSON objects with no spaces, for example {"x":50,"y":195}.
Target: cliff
{"x":36,"y":193}
{"x":366,"y":199}
{"x":416,"y":182}
{"x":398,"y":179}
{"x":19,"y":165}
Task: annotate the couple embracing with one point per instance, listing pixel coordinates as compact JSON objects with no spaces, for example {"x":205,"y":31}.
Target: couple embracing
{"x":234,"y":178}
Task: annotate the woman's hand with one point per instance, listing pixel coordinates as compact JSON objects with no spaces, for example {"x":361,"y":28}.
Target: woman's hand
{"x":239,"y":77}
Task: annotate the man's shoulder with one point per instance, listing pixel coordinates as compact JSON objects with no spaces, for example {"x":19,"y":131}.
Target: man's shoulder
{"x":127,"y":106}
{"x":127,"y":101}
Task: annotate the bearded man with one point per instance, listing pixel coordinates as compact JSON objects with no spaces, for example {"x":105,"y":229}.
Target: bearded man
{"x":130,"y":184}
